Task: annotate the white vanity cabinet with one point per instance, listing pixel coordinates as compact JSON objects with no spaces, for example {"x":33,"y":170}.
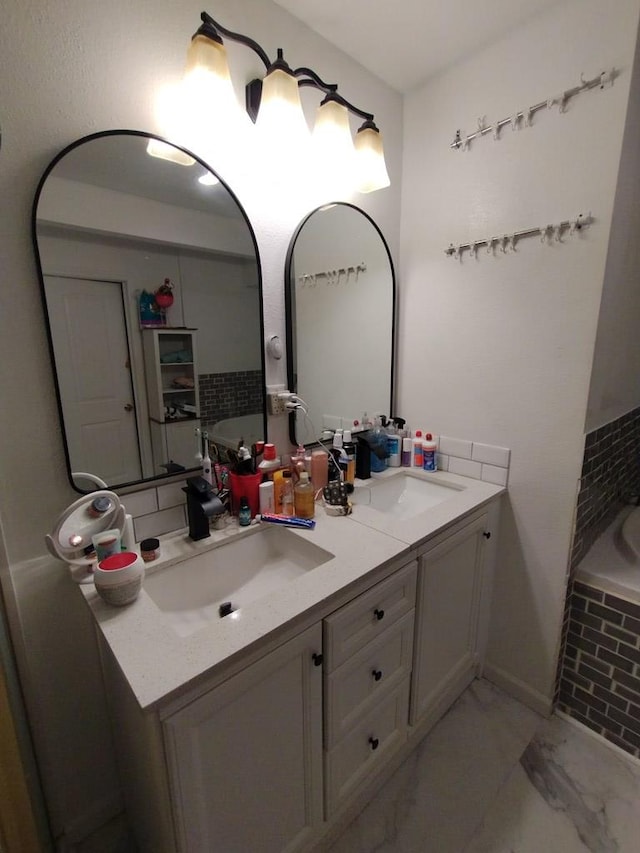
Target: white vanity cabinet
{"x":279,"y":742}
{"x":451,"y":586}
{"x":245,"y":759}
{"x":368,"y":645}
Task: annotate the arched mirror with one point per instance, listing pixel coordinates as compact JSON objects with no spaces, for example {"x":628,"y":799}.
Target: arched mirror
{"x":152,"y":292}
{"x":340,"y":299}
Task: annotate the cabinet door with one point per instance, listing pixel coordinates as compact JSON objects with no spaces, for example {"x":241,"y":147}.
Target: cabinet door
{"x":245,"y":759}
{"x":449,"y":583}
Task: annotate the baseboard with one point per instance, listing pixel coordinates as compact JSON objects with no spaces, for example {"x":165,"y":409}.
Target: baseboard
{"x":518,"y":689}
{"x":98,"y":814}
{"x":626,"y":756}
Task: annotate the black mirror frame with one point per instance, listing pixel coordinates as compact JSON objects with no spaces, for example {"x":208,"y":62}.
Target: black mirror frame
{"x":160,"y":478}
{"x":288,"y":302}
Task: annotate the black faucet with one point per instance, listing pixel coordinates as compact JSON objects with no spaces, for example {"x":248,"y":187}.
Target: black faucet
{"x":203,"y":502}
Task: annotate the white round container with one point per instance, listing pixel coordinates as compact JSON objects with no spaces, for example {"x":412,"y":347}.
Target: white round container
{"x":118,"y":578}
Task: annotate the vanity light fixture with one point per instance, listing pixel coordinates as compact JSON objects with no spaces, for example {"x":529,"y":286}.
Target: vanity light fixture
{"x":273,"y":103}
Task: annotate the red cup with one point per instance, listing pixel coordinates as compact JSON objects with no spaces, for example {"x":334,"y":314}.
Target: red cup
{"x":245,"y":486}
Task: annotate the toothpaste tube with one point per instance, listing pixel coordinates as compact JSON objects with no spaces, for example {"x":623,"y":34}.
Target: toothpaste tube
{"x":288,"y":520}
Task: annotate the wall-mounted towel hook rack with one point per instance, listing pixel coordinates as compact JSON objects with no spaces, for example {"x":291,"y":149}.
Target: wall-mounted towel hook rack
{"x":551,"y":233}
{"x":523,"y":118}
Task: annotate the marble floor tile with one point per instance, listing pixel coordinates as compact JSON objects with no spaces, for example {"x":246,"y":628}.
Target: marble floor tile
{"x":569,"y":793}
{"x":438,"y":797}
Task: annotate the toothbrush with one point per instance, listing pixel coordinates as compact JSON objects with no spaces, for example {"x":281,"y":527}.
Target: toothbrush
{"x":199,"y":456}
{"x":206,"y":461}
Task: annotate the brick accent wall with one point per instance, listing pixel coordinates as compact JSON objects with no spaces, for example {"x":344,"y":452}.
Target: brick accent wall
{"x":610,"y":474}
{"x":600,"y":680}
{"x":229,"y":395}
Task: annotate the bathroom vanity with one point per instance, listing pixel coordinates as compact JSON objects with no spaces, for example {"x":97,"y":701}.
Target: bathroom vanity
{"x":270,"y":728}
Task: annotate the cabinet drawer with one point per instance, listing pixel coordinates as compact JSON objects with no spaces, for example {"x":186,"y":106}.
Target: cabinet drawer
{"x":362,"y":681}
{"x":368,"y":745}
{"x":356,"y":624}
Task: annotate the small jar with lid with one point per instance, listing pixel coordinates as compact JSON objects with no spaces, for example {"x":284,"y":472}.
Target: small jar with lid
{"x":150,"y":549}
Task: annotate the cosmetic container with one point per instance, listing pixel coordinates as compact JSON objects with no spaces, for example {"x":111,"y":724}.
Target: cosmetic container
{"x":417,"y":449}
{"x":407,"y":452}
{"x":429,"y":447}
{"x":265,"y":493}
{"x":319,"y":469}
{"x":303,"y":497}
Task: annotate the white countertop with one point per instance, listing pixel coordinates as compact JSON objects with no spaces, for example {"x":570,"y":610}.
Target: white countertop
{"x":157,"y":662}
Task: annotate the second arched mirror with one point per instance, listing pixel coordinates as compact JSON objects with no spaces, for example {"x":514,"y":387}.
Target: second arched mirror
{"x":340,"y":298}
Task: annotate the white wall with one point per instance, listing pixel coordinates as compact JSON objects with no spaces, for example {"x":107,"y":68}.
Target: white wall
{"x":499,"y":350}
{"x":69,"y":69}
{"x":80,"y":205}
{"x":615,"y":380}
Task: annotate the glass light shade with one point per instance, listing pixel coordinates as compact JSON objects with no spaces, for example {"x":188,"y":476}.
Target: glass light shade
{"x":370,"y":166}
{"x":280,"y":118}
{"x":332,"y":142}
{"x":164,"y":151}
{"x":207,"y":81}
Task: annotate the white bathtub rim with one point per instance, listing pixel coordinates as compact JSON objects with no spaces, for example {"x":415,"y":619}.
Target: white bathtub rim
{"x":606,"y":565}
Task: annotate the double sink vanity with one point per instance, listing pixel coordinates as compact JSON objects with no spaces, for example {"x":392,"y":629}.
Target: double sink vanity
{"x":266,"y":729}
{"x":269,"y":728}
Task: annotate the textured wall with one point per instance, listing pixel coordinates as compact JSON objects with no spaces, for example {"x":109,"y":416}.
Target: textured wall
{"x":501,"y":347}
{"x":70,"y":68}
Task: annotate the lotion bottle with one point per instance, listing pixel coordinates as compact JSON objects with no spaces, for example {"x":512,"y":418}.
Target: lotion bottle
{"x":417,"y":449}
{"x":303,"y":497}
{"x":429,"y":448}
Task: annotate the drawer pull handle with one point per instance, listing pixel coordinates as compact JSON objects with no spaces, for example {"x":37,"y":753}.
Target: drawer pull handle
{"x":375,"y":743}
{"x":487,"y":534}
{"x":377,"y":674}
{"x":379,"y":614}
{"x":316,"y":658}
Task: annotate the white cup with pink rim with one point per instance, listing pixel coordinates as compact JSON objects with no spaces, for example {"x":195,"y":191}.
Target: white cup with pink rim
{"x":118,"y":578}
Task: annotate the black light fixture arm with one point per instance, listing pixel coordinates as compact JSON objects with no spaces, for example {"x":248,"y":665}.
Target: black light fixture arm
{"x":306,"y":76}
{"x":206,"y":18}
{"x":331,"y":90}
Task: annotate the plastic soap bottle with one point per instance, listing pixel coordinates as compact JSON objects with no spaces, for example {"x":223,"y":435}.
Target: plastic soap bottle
{"x":286,"y":493}
{"x":303,"y":497}
{"x":429,"y":447}
{"x":319,"y":469}
{"x":269,"y":463}
{"x":349,"y":448}
{"x":393,"y":446}
{"x":417,"y":449}
{"x":407,"y":452}
{"x":379,"y":450}
{"x":298,"y":462}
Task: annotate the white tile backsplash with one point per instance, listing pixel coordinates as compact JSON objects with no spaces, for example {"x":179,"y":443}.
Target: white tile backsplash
{"x":491,"y":455}
{"x":493,"y":474}
{"x":442,"y":461}
{"x":465,"y":467}
{"x":455,"y":447}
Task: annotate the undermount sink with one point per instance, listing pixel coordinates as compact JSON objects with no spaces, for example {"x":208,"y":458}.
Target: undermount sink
{"x":239,"y":572}
{"x":404,"y":496}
